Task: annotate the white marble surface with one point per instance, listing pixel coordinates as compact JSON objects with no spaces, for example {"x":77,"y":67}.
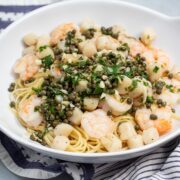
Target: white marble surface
{"x":169,"y":7}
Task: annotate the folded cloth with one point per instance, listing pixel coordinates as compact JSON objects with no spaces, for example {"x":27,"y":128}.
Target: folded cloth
{"x":162,"y":164}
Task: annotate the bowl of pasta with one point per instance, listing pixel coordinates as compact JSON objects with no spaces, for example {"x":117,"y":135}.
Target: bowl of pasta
{"x":84,"y":85}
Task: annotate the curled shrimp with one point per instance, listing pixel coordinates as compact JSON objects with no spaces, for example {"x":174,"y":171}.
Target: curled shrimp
{"x":59,"y":33}
{"x":142,"y":117}
{"x":170,"y":93}
{"x":97,"y":124}
{"x":161,"y":57}
{"x":27,"y":113}
{"x":157,"y":62}
{"x":175,"y":83}
{"x":162,"y":122}
{"x":136,"y":47}
{"x":169,"y":97}
{"x":116,"y":107}
{"x":27,"y":66}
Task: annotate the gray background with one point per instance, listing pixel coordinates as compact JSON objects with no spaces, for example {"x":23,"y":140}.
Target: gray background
{"x":169,"y":7}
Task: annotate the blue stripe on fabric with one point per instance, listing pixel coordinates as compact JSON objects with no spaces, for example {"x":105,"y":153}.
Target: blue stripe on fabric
{"x":4,"y":24}
{"x":119,"y":164}
{"x":156,"y":169}
{"x":88,"y":171}
{"x":112,"y":169}
{"x":107,"y":174}
{"x":16,"y":9}
{"x":141,"y":168}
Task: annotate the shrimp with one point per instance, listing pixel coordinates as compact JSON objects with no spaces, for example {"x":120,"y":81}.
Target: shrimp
{"x":106,"y":42}
{"x":27,"y":66}
{"x":161,"y":57}
{"x":164,"y":113}
{"x":97,"y":124}
{"x":136,"y":47}
{"x":163,"y":126}
{"x":59,"y":33}
{"x":170,"y":92}
{"x":172,"y":82}
{"x":169,"y":97}
{"x":176,"y":72}
{"x":142,"y":117}
{"x":148,"y":36}
{"x":157,"y":62}
{"x":88,"y":24}
{"x":117,"y":108}
{"x":123,"y":85}
{"x":27,"y":113}
{"x":88,"y":47}
{"x":162,"y":123}
{"x":60,"y":143}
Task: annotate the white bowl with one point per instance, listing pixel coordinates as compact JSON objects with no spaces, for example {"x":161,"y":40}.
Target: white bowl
{"x":134,"y":18}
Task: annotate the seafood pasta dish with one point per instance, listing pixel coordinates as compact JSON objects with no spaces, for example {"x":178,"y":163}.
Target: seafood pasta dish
{"x":90,"y":88}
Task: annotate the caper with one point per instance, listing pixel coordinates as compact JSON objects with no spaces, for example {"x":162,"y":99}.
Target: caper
{"x":153,"y":117}
{"x":55,"y":123}
{"x":129,"y":101}
{"x":11,"y":87}
{"x":164,"y":103}
{"x":69,"y":113}
{"x":148,"y":105}
{"x":111,"y":91}
{"x":170,"y":75}
{"x":77,"y":100}
{"x":158,"y":91}
{"x":115,"y":35}
{"x":65,"y":97}
{"x":12,"y":104}
{"x":66,"y":121}
{"x":159,"y":101}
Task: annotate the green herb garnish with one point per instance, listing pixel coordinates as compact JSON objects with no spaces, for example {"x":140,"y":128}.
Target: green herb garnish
{"x":156,"y":69}
{"x":47,"y":62}
{"x":41,"y":48}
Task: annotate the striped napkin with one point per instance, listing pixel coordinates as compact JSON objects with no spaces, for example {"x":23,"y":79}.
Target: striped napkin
{"x":162,"y":164}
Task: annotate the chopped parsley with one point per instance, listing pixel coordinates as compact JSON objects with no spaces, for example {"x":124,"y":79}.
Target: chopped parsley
{"x":170,"y":87}
{"x":47,"y":62}
{"x":156,"y":69}
{"x":149,"y":99}
{"x":41,"y":48}
{"x":133,"y":85}
{"x":124,"y":47}
{"x":37,"y":90}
